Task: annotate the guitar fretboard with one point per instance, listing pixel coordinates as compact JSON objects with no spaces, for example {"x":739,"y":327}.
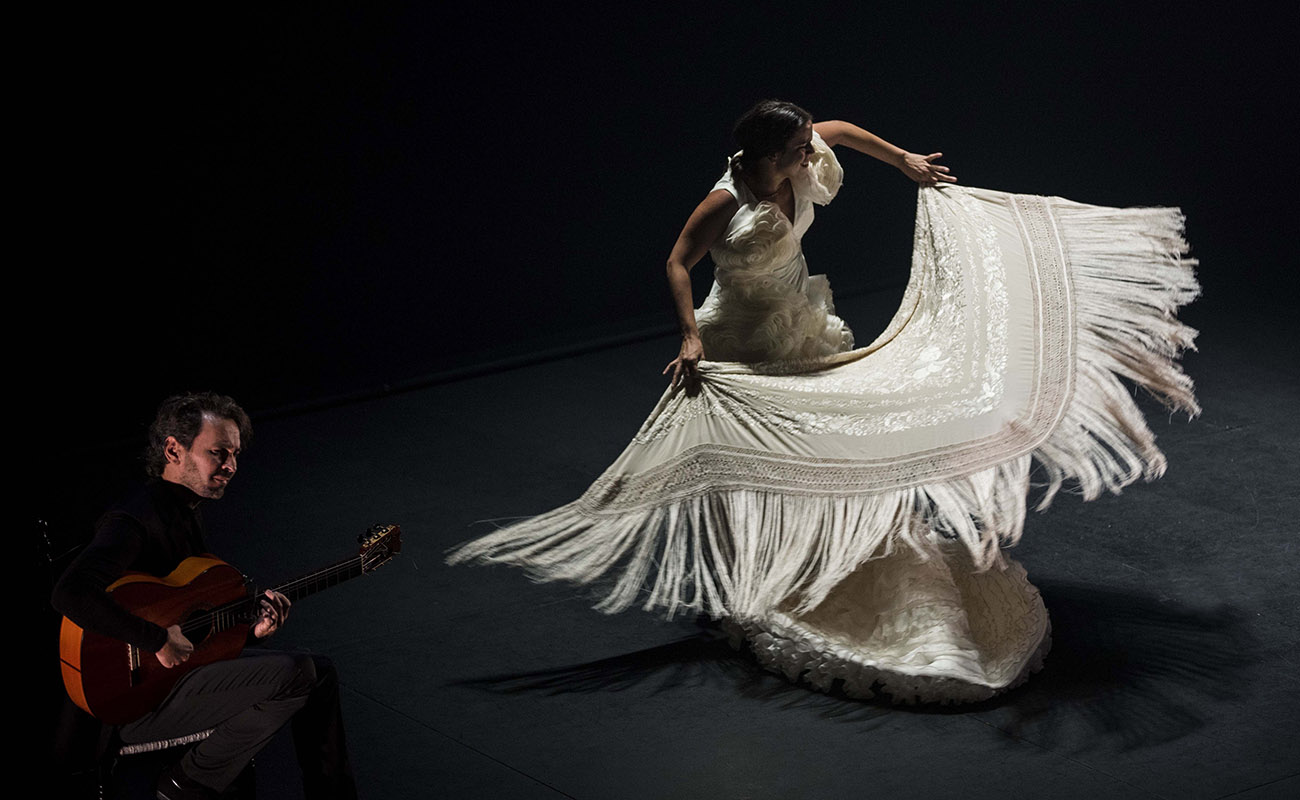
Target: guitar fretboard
{"x":244,"y":612}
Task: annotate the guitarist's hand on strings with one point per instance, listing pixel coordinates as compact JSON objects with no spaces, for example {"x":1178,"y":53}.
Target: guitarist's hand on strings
{"x":272,"y":614}
{"x":177,"y":649}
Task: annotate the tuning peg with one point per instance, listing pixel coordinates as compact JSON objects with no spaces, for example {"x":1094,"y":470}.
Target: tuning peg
{"x":374,"y":533}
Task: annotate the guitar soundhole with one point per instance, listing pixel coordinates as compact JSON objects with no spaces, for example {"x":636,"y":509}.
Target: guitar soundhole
{"x":196,"y":629}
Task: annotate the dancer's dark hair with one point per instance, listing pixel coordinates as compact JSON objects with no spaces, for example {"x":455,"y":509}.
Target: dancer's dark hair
{"x":765,"y":128}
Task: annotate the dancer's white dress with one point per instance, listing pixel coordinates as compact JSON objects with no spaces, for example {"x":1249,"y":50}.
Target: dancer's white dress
{"x":845,"y":508}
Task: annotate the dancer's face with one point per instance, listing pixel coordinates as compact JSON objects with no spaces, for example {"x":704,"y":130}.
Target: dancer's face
{"x":798,"y":149}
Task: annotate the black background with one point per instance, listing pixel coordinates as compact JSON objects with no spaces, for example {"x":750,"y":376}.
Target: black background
{"x":295,"y":206}
{"x":289,"y":205}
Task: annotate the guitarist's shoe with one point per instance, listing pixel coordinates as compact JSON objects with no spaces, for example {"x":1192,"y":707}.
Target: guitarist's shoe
{"x":173,"y":784}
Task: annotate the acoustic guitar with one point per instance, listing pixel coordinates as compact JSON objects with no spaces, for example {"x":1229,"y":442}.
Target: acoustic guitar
{"x":212,"y":602}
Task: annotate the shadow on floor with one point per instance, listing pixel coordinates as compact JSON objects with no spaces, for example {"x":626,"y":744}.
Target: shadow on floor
{"x":1128,"y":670}
{"x":1125,"y":670}
{"x":704,"y":658}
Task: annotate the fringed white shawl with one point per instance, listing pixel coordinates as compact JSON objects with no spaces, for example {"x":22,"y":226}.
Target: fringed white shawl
{"x":776,"y":480}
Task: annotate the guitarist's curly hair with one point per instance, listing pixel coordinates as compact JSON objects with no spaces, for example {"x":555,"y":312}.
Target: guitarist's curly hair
{"x":182,"y":415}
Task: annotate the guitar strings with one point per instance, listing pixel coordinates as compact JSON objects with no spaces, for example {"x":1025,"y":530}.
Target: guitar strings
{"x":236,"y":612}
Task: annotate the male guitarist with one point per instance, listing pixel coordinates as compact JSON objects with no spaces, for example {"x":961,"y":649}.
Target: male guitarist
{"x":194,"y":446}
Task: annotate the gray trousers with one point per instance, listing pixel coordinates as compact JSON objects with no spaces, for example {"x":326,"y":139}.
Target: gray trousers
{"x":246,"y":700}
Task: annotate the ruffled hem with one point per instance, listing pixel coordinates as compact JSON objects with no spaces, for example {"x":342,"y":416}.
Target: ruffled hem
{"x":862,"y":681}
{"x":911,"y":631}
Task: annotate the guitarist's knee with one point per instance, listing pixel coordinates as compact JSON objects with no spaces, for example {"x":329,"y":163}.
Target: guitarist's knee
{"x":312,"y":674}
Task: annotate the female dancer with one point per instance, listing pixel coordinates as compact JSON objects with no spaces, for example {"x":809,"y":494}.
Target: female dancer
{"x":845,"y":509}
{"x":777,"y":141}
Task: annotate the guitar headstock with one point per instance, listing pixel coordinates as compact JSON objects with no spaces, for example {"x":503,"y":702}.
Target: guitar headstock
{"x":379,"y":544}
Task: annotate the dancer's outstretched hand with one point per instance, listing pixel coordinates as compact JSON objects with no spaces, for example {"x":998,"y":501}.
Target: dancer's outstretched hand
{"x":924,"y":171}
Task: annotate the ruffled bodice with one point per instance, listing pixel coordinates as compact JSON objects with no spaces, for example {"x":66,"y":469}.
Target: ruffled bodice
{"x":764,"y":306}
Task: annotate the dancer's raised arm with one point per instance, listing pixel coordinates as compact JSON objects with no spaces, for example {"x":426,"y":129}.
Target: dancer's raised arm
{"x":919,"y":168}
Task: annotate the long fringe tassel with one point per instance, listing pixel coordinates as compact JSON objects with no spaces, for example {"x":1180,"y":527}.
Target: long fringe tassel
{"x":686,"y":556}
{"x":1130,"y":277}
{"x":741,"y":552}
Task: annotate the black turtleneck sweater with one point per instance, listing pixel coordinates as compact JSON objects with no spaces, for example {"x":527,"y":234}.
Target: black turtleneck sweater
{"x":151,"y":531}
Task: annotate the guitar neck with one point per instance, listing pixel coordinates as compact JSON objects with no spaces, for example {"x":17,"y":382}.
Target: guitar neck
{"x":244,"y":612}
{"x":322,"y":579}
{"x":379,"y":544}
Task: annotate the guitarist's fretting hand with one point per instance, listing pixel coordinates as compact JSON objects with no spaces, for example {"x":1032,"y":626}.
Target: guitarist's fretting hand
{"x":177,"y":649}
{"x":273,"y":613}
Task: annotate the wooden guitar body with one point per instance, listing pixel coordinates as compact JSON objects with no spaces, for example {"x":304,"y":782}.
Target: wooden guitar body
{"x":121,"y":682}
{"x":210,"y":600}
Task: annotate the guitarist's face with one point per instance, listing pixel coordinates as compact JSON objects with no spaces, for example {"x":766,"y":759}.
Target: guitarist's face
{"x":208,"y":464}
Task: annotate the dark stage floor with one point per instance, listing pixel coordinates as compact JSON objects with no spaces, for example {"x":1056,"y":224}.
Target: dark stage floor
{"x":1173,"y":675}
